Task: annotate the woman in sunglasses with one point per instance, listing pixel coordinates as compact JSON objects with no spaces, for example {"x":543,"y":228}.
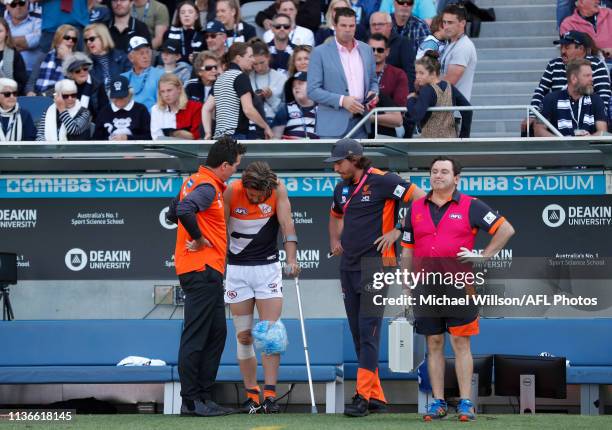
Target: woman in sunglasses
{"x":108,"y":62}
{"x":65,"y":119}
{"x":91,"y":93}
{"x":15,"y":123}
{"x":206,"y":66}
{"x":49,"y":72}
{"x":12,"y":65}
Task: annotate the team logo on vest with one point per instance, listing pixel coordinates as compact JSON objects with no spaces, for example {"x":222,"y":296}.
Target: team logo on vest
{"x":77,"y":259}
{"x":241,"y":211}
{"x":18,"y":218}
{"x":366,"y":193}
{"x":457,"y":216}
{"x":345,"y":191}
{"x":162,"y":219}
{"x":265,"y":209}
{"x":553,"y":215}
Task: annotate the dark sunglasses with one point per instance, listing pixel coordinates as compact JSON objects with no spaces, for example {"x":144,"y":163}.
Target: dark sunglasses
{"x":209,"y":68}
{"x":405,"y":2}
{"x":9,"y":93}
{"x":378,"y":50}
{"x":283,"y":26}
{"x":91,"y":39}
{"x":211,"y":35}
{"x":17,"y":3}
{"x":81,"y":69}
{"x":74,"y":39}
{"x":69,"y":96}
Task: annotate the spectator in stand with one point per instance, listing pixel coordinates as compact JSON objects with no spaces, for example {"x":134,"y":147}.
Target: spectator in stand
{"x":407,"y":25}
{"x":228,"y":13}
{"x":172,"y":62}
{"x":299,"y":60}
{"x":342,"y":79}
{"x":391,"y":80}
{"x":434,"y":91}
{"x":56,"y":14}
{"x":174,"y":115}
{"x":12,"y":65}
{"x":25,"y":31}
{"x":108,"y":62}
{"x":308,"y":15}
{"x":65,"y":119}
{"x":143,"y":78}
{"x":574,"y":46}
{"x":216,"y":39}
{"x":208,"y":9}
{"x":207,"y":67}
{"x":155,"y":15}
{"x":435,"y":41}
{"x":298,"y":35}
{"x":589,"y":18}
{"x":99,"y":12}
{"x":90,"y":92}
{"x":16,"y":124}
{"x":233,"y":99}
{"x":187,"y":30}
{"x":122,"y":118}
{"x":401,"y":53}
{"x":296,"y":119}
{"x":424,"y":10}
{"x":326,"y":32}
{"x":280,"y":46}
{"x":267,"y":83}
{"x":123,"y":26}
{"x":574,"y":110}
{"x":459,"y":57}
{"x":45,"y":75}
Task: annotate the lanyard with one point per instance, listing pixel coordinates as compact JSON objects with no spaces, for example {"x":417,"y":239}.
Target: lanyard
{"x":577,"y":121}
{"x":144,"y":14}
{"x":363,"y":179}
{"x":380,"y":75}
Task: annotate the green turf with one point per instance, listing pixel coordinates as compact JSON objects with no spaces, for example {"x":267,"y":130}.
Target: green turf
{"x":321,"y":421}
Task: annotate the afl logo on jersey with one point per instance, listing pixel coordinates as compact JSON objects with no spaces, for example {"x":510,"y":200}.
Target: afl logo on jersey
{"x":265,"y":209}
{"x":241,"y":211}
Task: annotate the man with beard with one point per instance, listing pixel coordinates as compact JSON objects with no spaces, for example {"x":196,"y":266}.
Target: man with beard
{"x":575,"y":111}
{"x":573,"y":45}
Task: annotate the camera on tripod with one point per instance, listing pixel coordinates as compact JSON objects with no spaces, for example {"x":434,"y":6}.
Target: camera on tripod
{"x":8,"y":276}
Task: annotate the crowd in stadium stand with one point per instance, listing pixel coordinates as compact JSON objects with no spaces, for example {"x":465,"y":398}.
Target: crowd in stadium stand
{"x":174,"y":58}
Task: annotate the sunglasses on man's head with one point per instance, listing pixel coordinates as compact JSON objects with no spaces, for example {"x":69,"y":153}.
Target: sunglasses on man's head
{"x":74,"y":39}
{"x":283,"y":26}
{"x":69,"y":96}
{"x":17,"y":3}
{"x":9,"y":93}
{"x":378,"y":50}
{"x":209,"y":68}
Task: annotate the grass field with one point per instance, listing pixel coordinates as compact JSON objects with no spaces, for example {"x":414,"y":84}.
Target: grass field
{"x":321,"y":421}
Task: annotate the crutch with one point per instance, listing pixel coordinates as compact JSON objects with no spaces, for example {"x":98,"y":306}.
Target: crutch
{"x":299,"y":299}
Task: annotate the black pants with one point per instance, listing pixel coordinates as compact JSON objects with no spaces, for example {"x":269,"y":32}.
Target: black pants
{"x":364,"y":319}
{"x":203,"y":337}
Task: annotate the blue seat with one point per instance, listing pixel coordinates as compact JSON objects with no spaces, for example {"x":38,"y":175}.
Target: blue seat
{"x":36,"y":105}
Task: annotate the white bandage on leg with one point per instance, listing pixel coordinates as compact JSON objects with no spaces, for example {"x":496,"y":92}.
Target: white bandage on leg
{"x":243,"y":323}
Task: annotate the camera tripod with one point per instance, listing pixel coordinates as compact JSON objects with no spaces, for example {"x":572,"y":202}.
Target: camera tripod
{"x":7,"y":309}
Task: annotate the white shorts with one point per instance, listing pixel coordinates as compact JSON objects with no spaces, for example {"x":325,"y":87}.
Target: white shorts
{"x":245,"y":282}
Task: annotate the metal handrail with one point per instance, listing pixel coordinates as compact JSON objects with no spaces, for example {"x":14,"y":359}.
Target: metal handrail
{"x":529,"y":108}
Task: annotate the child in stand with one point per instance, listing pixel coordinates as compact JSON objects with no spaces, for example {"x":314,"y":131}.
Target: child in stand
{"x":170,"y":55}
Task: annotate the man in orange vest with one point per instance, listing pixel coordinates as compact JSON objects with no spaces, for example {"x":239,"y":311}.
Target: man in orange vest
{"x":201,"y":247}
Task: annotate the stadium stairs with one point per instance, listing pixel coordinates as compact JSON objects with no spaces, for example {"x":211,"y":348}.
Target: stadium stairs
{"x":512,"y":54}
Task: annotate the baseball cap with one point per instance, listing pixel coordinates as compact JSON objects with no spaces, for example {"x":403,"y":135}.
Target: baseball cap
{"x":172,"y":46}
{"x":78,"y":63}
{"x":137,"y":42}
{"x":214,"y":26}
{"x":119,"y":87}
{"x":343,"y":148}
{"x":576,"y":37}
{"x":297,"y":76}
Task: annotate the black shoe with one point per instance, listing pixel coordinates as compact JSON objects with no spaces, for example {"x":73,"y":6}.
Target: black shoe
{"x":270,"y":407}
{"x":250,"y":407}
{"x":206,"y":408}
{"x":376,"y":406}
{"x":359,"y":407}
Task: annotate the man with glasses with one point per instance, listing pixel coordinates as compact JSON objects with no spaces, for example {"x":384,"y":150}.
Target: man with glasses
{"x":216,"y":38}
{"x":206,"y":67}
{"x":401,"y":52}
{"x":407,"y":25}
{"x":298,"y":35}
{"x":25,"y":30}
{"x":123,"y":26}
{"x":281,"y":47}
